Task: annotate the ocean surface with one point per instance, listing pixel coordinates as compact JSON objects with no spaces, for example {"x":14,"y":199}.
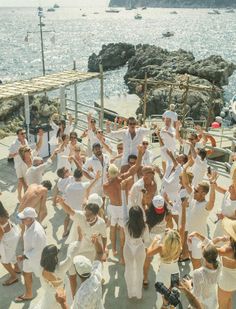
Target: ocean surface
{"x":76,"y":37}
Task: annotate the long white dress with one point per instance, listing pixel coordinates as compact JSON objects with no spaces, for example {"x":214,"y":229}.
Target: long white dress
{"x":48,"y":300}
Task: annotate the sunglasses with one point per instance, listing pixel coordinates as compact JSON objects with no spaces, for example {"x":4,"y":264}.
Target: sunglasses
{"x":145,"y":143}
{"x":100,"y":132}
{"x":93,"y":121}
{"x":132,"y":124}
{"x":120,"y":148}
{"x":22,"y":133}
{"x":74,"y":137}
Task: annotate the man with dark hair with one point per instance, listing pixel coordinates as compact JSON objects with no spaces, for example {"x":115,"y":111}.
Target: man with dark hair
{"x":36,"y":197}
{"x":99,"y":162}
{"x":90,"y":224}
{"x":131,"y":138}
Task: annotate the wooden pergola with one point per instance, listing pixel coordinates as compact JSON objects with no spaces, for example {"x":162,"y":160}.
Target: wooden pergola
{"x":44,"y":83}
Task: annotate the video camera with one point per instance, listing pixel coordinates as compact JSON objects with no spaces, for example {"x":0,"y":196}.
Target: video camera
{"x":171,"y":295}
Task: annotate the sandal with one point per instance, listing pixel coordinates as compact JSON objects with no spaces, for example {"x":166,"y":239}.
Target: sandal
{"x":145,"y":284}
{"x":21,"y":299}
{"x":7,"y":283}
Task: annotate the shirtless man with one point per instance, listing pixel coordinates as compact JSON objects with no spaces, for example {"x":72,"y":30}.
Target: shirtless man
{"x":113,"y":190}
{"x":35,"y":197}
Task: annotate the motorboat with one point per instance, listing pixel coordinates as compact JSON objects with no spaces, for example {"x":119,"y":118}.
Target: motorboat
{"x":167,"y":34}
{"x":138,"y":16}
{"x":56,"y":6}
{"x":51,"y":9}
{"x":230,"y":11}
{"x":84,"y":15}
{"x":173,"y":12}
{"x":144,"y":8}
{"x":112,"y":11}
{"x":214,"y":12}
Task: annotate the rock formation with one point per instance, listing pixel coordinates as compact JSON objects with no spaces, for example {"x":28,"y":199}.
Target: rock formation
{"x":12,"y":115}
{"x":111,"y":56}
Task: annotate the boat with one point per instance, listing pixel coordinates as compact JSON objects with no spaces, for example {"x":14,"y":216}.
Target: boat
{"x":138,"y":16}
{"x":230,"y":11}
{"x":233,"y":107}
{"x":84,"y":15}
{"x":56,"y":6}
{"x":167,"y":34}
{"x":112,"y":11}
{"x":173,"y":12}
{"x":95,"y":13}
{"x":214,"y":12}
{"x":51,"y":9}
{"x":144,"y":8}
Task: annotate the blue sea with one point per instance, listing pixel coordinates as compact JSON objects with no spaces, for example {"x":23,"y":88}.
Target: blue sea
{"x":76,"y":37}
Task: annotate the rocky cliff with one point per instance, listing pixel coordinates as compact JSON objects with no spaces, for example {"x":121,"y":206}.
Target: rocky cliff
{"x":174,"y":3}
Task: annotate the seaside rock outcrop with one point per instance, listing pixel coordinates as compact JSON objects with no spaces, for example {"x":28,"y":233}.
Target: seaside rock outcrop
{"x":12,"y":114}
{"x":111,"y":56}
{"x":160,"y":64}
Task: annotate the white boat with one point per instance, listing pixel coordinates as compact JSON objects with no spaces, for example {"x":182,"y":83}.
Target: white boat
{"x":230,"y":11}
{"x":214,"y":12}
{"x":56,"y":6}
{"x":51,"y":10}
{"x":173,"y":12}
{"x":138,"y":16}
{"x":112,"y":11}
{"x":233,"y":107}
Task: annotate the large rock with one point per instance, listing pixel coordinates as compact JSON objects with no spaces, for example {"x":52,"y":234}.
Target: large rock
{"x":111,"y":56}
{"x":12,"y":114}
{"x":162,"y":65}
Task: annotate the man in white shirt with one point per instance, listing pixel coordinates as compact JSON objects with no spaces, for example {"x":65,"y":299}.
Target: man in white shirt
{"x":34,"y":242}
{"x":131,"y":138}
{"x":90,"y":223}
{"x":35,"y":173}
{"x":171,"y":114}
{"x":147,"y":156}
{"x":89,"y":294}
{"x":99,"y":162}
{"x":18,"y":163}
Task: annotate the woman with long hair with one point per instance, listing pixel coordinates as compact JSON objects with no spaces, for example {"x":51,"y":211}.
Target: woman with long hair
{"x":136,"y":235}
{"x":53,"y":275}
{"x":9,"y":237}
{"x":156,"y":219}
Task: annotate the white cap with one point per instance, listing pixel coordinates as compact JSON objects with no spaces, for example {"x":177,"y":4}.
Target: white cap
{"x":158,"y":203}
{"x":28,"y":212}
{"x":83,"y":265}
{"x":95,"y":199}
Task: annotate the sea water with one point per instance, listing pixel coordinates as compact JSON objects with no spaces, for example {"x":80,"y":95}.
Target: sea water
{"x":76,"y":37}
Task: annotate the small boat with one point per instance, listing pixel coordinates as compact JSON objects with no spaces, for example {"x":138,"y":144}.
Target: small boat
{"x":214,"y":12}
{"x":112,"y":11}
{"x":144,"y":8}
{"x":173,"y":12}
{"x":51,"y":10}
{"x":84,"y":15}
{"x":230,"y":11}
{"x":138,"y":16}
{"x":167,"y":34}
{"x":95,"y":13}
{"x":56,"y":6}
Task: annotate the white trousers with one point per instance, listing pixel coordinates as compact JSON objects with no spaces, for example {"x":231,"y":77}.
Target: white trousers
{"x":134,"y":256}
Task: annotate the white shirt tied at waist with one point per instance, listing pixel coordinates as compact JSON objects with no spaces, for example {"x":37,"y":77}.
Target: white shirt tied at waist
{"x":130,"y":145}
{"x":95,"y":165}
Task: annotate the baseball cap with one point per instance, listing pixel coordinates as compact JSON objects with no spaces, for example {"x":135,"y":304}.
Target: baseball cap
{"x":158,"y":203}
{"x":95,"y":199}
{"x":28,"y":212}
{"x":83,"y":265}
{"x":96,"y":145}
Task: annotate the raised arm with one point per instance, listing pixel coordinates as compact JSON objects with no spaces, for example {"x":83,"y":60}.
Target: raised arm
{"x":170,"y":154}
{"x":98,"y":175}
{"x":159,"y":137}
{"x":70,"y":211}
{"x":184,"y":205}
{"x":185,"y":182}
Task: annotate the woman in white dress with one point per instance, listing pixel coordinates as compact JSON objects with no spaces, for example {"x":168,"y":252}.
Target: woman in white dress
{"x":64,"y":153}
{"x":53,"y":275}
{"x":136,"y":236}
{"x":9,"y":237}
{"x":59,"y":130}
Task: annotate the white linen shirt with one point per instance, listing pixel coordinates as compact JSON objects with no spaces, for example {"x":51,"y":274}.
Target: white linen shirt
{"x":34,"y":174}
{"x":89,"y":295}
{"x":34,"y":242}
{"x":14,"y":148}
{"x":130,"y":145}
{"x":75,"y":193}
{"x":94,"y":163}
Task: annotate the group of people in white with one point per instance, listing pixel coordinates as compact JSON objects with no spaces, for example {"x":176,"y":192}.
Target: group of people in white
{"x":148,"y":210}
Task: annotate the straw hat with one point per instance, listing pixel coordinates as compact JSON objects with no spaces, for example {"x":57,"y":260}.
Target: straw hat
{"x":230,"y":227}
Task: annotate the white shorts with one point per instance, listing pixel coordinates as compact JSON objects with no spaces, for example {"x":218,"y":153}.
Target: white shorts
{"x":227,"y":279}
{"x":196,"y":248}
{"x":30,"y":266}
{"x":116,"y":215}
{"x":21,"y":170}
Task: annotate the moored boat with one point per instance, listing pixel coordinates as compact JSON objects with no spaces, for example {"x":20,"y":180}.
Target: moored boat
{"x":138,"y":16}
{"x":167,"y":34}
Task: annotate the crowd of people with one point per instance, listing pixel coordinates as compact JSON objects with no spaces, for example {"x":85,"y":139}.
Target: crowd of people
{"x":146,"y":209}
